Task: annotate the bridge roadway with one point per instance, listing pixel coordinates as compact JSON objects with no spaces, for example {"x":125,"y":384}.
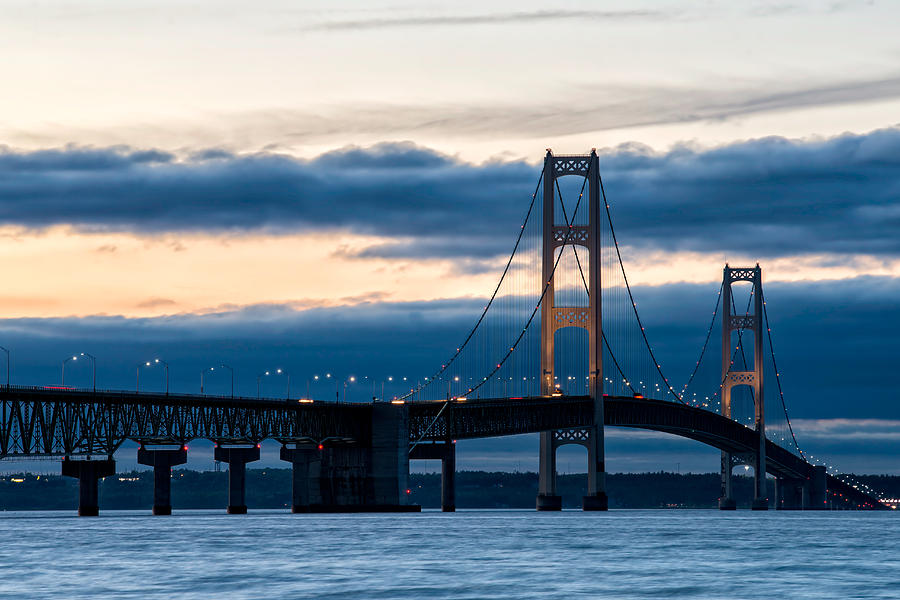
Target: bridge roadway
{"x":44,"y":421}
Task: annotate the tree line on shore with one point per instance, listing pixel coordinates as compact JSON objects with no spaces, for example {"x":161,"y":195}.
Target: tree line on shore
{"x":271,"y":488}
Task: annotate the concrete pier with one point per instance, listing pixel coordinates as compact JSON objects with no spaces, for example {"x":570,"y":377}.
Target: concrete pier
{"x":448,"y":479}
{"x":237,"y":458}
{"x":306,"y":471}
{"x":162,"y":460}
{"x":88,"y":473}
{"x":596,"y":499}
{"x":446,"y":453}
{"x":547,"y":498}
{"x":789,"y":493}
{"x":818,"y":490}
{"x":342,"y":476}
{"x":726,"y":497}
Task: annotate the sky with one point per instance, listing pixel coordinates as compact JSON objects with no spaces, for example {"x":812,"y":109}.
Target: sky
{"x":334,"y":187}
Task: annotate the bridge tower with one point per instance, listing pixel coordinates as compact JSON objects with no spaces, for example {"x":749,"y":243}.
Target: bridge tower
{"x":556,"y":235}
{"x":754,"y":379}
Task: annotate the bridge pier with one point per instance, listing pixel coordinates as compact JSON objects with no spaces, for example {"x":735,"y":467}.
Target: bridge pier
{"x":596,"y":498}
{"x":89,"y":473}
{"x":547,"y":498}
{"x":448,"y":480}
{"x":446,"y":453}
{"x":237,"y":458}
{"x":306,"y":470}
{"x":162,"y":460}
{"x":350,"y":477}
{"x":818,"y":489}
{"x":726,"y":499}
{"x":789,"y":493}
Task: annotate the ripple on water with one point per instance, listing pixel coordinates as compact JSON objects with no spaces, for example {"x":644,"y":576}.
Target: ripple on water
{"x":467,"y":555}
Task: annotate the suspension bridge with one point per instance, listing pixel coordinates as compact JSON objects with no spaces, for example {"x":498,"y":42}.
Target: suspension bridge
{"x":559,"y":349}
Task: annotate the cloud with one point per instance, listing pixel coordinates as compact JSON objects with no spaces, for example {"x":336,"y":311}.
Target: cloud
{"x":539,"y":16}
{"x":157,"y":303}
{"x":831,"y":359}
{"x":767,"y":197}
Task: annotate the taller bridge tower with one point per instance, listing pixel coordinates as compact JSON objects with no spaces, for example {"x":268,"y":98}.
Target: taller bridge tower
{"x":557,"y":235}
{"x":753,"y":379}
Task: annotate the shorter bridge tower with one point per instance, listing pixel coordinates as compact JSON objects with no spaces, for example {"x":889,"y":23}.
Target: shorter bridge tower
{"x":731,"y":378}
{"x":556,"y":236}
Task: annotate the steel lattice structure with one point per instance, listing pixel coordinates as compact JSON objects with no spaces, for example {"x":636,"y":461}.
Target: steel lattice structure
{"x":52,"y":422}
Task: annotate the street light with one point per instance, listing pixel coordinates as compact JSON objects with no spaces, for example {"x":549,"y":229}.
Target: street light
{"x":351,"y":379}
{"x":202,"y":372}
{"x":64,"y":368}
{"x":93,"y":369}
{"x":156,"y":361}
{"x":7,"y":367}
{"x":382,"y":386}
{"x":224,"y":366}
{"x":308,"y":380}
{"x":276,"y":372}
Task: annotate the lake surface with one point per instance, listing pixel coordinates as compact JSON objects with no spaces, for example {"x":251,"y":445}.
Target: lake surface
{"x":469,"y":554}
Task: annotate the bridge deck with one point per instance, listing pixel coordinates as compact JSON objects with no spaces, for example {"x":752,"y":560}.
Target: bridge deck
{"x":65,"y":422}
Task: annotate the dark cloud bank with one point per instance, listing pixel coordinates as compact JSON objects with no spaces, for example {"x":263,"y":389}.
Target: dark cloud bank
{"x":835,"y":344}
{"x":765,"y":197}
{"x":770,"y":197}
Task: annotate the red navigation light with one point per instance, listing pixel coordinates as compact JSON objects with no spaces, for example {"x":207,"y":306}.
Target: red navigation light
{"x":408,"y":491}
{"x":257,"y":445}
{"x":321,"y":446}
{"x":185,"y":447}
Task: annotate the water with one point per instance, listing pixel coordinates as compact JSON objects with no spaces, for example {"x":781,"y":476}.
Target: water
{"x":470,"y":554}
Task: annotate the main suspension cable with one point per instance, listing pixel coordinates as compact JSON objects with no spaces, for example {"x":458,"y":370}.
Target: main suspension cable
{"x":631,"y":296}
{"x":712,"y":324}
{"x":533,"y":312}
{"x":778,"y":376}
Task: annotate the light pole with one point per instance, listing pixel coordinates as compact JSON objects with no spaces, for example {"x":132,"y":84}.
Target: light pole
{"x":7,"y":366}
{"x":351,"y":379}
{"x":64,"y":368}
{"x":382,"y":386}
{"x":93,"y":369}
{"x":203,"y":372}
{"x":314,"y":378}
{"x":157,"y":361}
{"x":258,"y":379}
{"x":277,"y":372}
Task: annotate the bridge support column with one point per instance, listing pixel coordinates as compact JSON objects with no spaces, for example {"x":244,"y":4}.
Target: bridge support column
{"x":448,"y":479}
{"x":726,"y":499}
{"x":237,"y":458}
{"x":347,"y":477}
{"x":162,"y":461}
{"x":596,"y":498}
{"x":446,"y":453}
{"x":89,"y":473}
{"x":789,"y":493}
{"x":389,"y":470}
{"x":306,"y":465}
{"x":547,"y":498}
{"x":818,"y":490}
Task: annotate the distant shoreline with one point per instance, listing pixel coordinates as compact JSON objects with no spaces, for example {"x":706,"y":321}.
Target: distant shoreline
{"x":271,"y":489}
